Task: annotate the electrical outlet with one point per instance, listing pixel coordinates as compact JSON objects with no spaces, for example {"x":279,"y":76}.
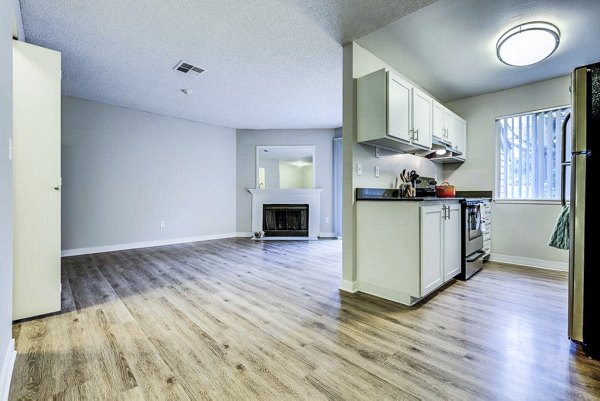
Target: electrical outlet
{"x":376,"y":171}
{"x":326,"y":220}
{"x":376,"y":151}
{"x":358,"y":169}
{"x":163,"y":224}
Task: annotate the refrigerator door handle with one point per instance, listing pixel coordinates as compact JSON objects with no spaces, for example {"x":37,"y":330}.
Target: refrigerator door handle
{"x":564,"y":164}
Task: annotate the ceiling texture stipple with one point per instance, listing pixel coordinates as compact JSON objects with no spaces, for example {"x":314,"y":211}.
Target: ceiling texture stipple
{"x":449,"y":48}
{"x":268,"y":63}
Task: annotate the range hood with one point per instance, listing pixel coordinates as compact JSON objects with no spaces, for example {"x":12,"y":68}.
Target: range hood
{"x":442,"y":152}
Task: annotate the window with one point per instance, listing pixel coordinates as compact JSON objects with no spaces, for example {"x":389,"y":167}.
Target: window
{"x":529,"y":155}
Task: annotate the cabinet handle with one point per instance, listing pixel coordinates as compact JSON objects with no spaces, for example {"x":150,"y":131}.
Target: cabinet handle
{"x":444,"y":212}
{"x":417,"y":132}
{"x":411,"y":134}
{"x":448,"y":213}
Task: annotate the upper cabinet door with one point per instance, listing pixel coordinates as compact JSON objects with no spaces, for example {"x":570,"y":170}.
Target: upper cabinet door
{"x":449,"y":125}
{"x":460,"y":136}
{"x":421,"y":117}
{"x":399,"y":93}
{"x":438,"y":129}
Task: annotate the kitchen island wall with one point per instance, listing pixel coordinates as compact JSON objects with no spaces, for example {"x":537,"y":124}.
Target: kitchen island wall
{"x":520,"y":230}
{"x":358,"y":62}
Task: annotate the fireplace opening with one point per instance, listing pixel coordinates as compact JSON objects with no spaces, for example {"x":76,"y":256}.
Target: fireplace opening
{"x":285,"y":220}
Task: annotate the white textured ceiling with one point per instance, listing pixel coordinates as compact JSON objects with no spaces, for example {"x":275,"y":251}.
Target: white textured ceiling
{"x":269,"y":63}
{"x":449,"y":48}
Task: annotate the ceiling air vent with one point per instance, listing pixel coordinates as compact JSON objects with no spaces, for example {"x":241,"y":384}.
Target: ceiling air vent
{"x":187,"y":68}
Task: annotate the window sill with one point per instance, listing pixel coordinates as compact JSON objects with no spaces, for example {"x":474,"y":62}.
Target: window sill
{"x":528,"y":201}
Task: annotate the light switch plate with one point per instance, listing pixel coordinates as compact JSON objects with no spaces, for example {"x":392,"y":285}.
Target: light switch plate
{"x":358,"y":169}
{"x":376,"y":171}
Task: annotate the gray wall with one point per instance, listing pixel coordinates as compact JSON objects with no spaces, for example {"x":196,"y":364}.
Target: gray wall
{"x":124,"y":171}
{"x":6,"y":13}
{"x":247,"y":140}
{"x":512,"y":241}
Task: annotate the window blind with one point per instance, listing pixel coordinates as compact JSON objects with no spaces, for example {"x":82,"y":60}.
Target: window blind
{"x":529,"y":155}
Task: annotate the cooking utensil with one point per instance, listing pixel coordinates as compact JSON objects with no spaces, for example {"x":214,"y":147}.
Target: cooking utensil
{"x":445,"y":190}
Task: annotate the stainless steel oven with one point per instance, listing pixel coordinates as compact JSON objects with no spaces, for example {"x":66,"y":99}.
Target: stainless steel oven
{"x":473,"y":233}
{"x":472,"y":241}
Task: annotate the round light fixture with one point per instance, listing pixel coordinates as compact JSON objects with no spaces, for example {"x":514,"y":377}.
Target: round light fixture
{"x":440,"y":152}
{"x":528,"y":43}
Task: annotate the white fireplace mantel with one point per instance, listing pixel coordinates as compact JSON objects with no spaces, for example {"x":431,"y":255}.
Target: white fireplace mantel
{"x":310,"y":197}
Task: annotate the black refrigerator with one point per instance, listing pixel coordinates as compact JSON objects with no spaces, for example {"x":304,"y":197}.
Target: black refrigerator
{"x":584,"y":163}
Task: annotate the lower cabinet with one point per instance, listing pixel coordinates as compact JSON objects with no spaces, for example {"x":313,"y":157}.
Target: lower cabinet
{"x":432,"y":248}
{"x":440,"y":245}
{"x":406,"y":250}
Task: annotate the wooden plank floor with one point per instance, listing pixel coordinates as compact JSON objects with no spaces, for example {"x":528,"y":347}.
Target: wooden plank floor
{"x":240,"y":319}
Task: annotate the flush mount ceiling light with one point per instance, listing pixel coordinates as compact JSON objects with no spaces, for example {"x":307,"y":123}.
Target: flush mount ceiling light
{"x":528,"y":43}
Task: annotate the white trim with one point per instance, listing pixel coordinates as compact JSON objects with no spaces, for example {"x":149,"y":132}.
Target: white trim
{"x":327,"y":235}
{"x":288,"y":191}
{"x":18,"y":21}
{"x":147,"y":244}
{"x":313,"y":149}
{"x":285,"y":239}
{"x":537,"y":263}
{"x":349,"y":286}
{"x":311,"y":197}
{"x":524,"y":113}
{"x":389,"y":294}
{"x":243,"y":234}
{"x":527,"y":201}
{"x":7,"y":369}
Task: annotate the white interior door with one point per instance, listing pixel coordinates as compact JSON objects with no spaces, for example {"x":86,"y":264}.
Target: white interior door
{"x":36,"y":180}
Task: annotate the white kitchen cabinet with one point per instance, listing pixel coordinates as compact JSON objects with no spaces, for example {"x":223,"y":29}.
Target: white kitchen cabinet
{"x":407,"y":249}
{"x":459,"y":140}
{"x":449,"y":125}
{"x":487,"y":232}
{"x":399,"y":96}
{"x":421,"y":118}
{"x":432,"y":248}
{"x":452,"y":241}
{"x":440,"y":245}
{"x":386,"y":113}
{"x":438,"y":129}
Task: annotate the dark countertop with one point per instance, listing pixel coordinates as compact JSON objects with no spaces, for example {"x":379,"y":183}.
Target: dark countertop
{"x":475,"y":194}
{"x":381,"y":194}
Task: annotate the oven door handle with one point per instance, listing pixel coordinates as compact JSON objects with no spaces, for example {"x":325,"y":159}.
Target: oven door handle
{"x":479,"y":256}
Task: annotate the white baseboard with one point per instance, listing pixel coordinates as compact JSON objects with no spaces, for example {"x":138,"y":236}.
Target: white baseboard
{"x":349,"y":286}
{"x":327,"y":235}
{"x":243,"y":235}
{"x":148,"y":244}
{"x":285,"y":239}
{"x":7,"y":369}
{"x":538,"y":263}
